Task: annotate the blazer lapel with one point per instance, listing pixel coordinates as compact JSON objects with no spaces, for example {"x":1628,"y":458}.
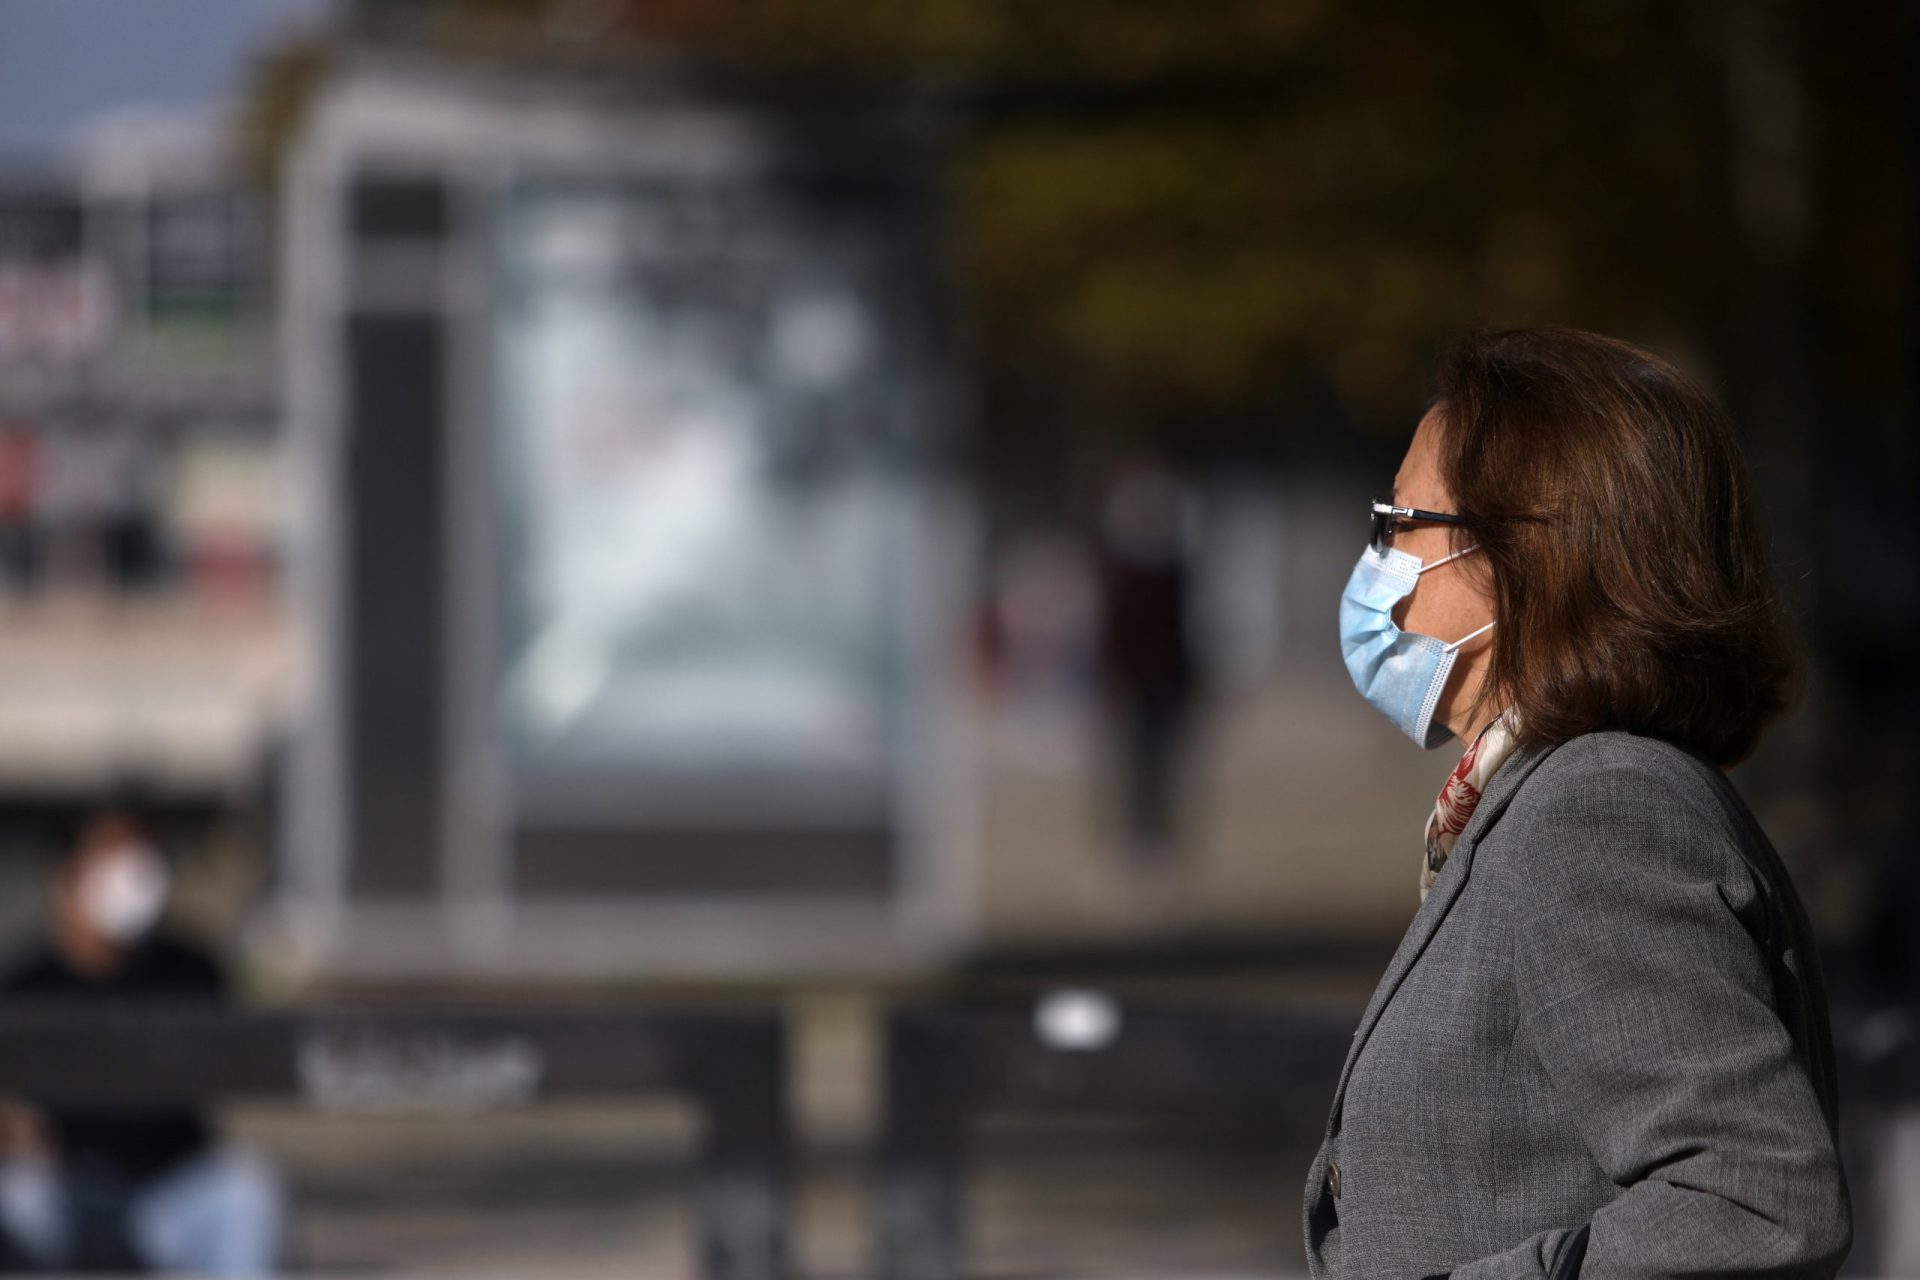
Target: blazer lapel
{"x":1440,"y":898}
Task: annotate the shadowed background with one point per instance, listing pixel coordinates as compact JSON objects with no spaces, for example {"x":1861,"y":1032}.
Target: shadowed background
{"x":841,"y":507}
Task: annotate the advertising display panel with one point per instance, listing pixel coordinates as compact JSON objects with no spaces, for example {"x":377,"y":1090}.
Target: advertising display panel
{"x":702,"y":555}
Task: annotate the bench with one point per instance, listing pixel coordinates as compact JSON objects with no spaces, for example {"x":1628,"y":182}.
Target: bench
{"x":732,"y":1064}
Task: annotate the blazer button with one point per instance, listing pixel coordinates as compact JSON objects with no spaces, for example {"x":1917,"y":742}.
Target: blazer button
{"x":1333,"y":1178}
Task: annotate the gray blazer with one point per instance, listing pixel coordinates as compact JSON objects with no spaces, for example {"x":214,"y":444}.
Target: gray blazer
{"x":1608,"y":1013}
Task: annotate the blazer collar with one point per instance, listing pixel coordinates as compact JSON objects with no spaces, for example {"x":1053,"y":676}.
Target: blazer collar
{"x":1440,"y":898}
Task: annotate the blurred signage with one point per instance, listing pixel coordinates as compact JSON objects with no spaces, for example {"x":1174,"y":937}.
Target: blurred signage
{"x":388,"y":1071}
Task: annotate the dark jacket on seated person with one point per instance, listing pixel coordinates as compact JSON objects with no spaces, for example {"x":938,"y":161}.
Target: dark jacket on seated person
{"x":135,"y":1146}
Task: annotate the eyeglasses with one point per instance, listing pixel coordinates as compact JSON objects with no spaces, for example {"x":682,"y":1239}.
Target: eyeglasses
{"x":1386,"y":521}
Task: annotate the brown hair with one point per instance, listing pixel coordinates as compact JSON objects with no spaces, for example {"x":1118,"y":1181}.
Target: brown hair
{"x":1616,"y":520}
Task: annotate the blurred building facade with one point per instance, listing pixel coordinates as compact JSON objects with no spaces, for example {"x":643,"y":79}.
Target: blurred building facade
{"x":140,"y":486}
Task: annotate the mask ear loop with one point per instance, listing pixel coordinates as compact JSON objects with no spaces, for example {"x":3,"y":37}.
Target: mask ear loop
{"x":1443,"y":559}
{"x":1470,"y":635}
{"x":1435,"y":565}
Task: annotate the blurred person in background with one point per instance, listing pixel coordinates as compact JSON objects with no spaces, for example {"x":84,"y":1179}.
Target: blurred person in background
{"x":1614,"y":1059}
{"x":129,"y":513}
{"x":1149,"y":672}
{"x":115,"y":1190}
{"x":19,"y":504}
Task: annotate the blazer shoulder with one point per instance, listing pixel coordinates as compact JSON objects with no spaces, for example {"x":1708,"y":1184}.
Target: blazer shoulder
{"x":1660,"y":770}
{"x":1617,"y":790}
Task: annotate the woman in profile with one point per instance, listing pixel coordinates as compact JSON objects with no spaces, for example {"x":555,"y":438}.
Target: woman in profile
{"x":1602,"y":1048}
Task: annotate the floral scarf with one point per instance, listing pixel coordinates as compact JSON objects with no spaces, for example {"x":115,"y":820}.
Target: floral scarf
{"x":1461,"y":795}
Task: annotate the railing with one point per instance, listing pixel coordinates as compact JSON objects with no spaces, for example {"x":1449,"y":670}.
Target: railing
{"x":1073,"y":1051}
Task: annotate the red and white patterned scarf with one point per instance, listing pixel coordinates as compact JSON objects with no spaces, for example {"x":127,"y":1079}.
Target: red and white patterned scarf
{"x":1461,"y":795}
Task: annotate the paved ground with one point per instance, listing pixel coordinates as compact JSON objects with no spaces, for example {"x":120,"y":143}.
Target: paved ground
{"x":181,"y":692}
{"x":1304,"y":813}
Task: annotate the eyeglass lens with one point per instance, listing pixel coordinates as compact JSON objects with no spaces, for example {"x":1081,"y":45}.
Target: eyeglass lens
{"x":1382,"y":533}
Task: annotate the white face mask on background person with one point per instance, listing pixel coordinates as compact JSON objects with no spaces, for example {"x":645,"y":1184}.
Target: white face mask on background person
{"x":122,"y":893}
{"x":1402,"y":673}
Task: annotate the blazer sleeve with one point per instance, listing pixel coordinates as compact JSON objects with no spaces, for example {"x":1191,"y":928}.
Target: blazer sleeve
{"x":1649,"y":1005}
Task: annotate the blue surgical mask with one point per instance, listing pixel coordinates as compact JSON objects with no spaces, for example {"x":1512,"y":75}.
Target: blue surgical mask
{"x":1400,"y":672}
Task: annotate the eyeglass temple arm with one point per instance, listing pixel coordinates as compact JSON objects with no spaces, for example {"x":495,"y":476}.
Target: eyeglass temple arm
{"x":1416,"y":513}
